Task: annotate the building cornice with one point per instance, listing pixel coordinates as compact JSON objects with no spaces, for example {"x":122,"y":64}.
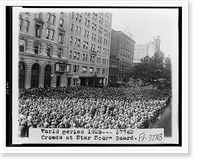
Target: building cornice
{"x":125,"y":35}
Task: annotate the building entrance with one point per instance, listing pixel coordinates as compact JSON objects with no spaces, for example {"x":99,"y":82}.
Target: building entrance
{"x":47,"y":76}
{"x":21,"y":75}
{"x":58,"y":81}
{"x":35,"y":76}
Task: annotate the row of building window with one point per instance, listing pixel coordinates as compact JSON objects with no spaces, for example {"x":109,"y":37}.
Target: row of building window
{"x":100,"y":20}
{"x":93,"y":36}
{"x":124,"y":68}
{"x":38,"y":30}
{"x":51,"y":18}
{"x":77,"y":29}
{"x":107,"y":24}
{"x":85,"y":69}
{"x":49,"y":51}
{"x":94,"y":26}
{"x":76,"y":55}
{"x":78,"y":17}
{"x":24,"y":25}
{"x":77,"y":42}
{"x":37,"y":46}
{"x":114,"y":62}
{"x":50,"y":33}
{"x":126,"y":42}
{"x":127,"y":55}
{"x":113,"y":72}
{"x":126,"y":49}
{"x":128,"y":63}
{"x":87,"y":14}
{"x":75,"y":16}
{"x":108,"y":15}
{"x":94,"y":16}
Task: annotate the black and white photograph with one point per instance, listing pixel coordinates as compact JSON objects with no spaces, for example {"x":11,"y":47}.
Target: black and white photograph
{"x":90,"y":76}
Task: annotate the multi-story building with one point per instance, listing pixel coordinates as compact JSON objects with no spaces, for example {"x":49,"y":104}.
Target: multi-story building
{"x":157,"y":43}
{"x":142,"y":50}
{"x":151,"y":49}
{"x":43,"y":46}
{"x":63,"y":49}
{"x":114,"y":69}
{"x":89,"y":47}
{"x":122,"y":48}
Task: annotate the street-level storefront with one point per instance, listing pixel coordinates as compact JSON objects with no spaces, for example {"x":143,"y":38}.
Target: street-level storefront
{"x":21,"y":75}
{"x":37,"y":73}
{"x":33,"y":73}
{"x":47,"y":76}
{"x":73,"y":80}
{"x":91,"y":81}
{"x":60,"y":73}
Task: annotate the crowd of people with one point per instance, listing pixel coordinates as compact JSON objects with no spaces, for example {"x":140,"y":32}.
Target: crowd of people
{"x":89,"y":108}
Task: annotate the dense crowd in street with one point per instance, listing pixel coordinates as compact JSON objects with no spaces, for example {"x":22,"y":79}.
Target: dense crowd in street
{"x":89,"y":108}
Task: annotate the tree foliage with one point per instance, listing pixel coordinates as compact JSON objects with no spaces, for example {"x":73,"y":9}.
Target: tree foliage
{"x":167,"y":69}
{"x":153,"y":68}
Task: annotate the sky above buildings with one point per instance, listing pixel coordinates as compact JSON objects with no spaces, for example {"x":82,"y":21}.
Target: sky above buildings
{"x":145,"y":24}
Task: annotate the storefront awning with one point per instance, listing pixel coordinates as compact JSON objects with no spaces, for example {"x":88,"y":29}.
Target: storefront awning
{"x":73,"y":76}
{"x":98,"y":77}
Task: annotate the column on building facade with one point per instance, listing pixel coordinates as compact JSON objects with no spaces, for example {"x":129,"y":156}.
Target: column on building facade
{"x":104,"y":81}
{"x":53,"y":80}
{"x":55,"y":51}
{"x":63,"y":80}
{"x":79,"y":81}
{"x":43,"y":49}
{"x":107,"y":74}
{"x":28,"y":73}
{"x":65,"y":53}
{"x":30,"y":48}
{"x":41,"y":76}
{"x":71,"y":81}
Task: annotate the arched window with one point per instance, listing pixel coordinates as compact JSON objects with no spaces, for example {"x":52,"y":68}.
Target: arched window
{"x":35,"y":76}
{"x":21,"y":75}
{"x":47,"y":76}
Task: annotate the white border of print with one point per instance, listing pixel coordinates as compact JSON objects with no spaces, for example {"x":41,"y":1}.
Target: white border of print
{"x":17,"y":140}
{"x":183,"y":149}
